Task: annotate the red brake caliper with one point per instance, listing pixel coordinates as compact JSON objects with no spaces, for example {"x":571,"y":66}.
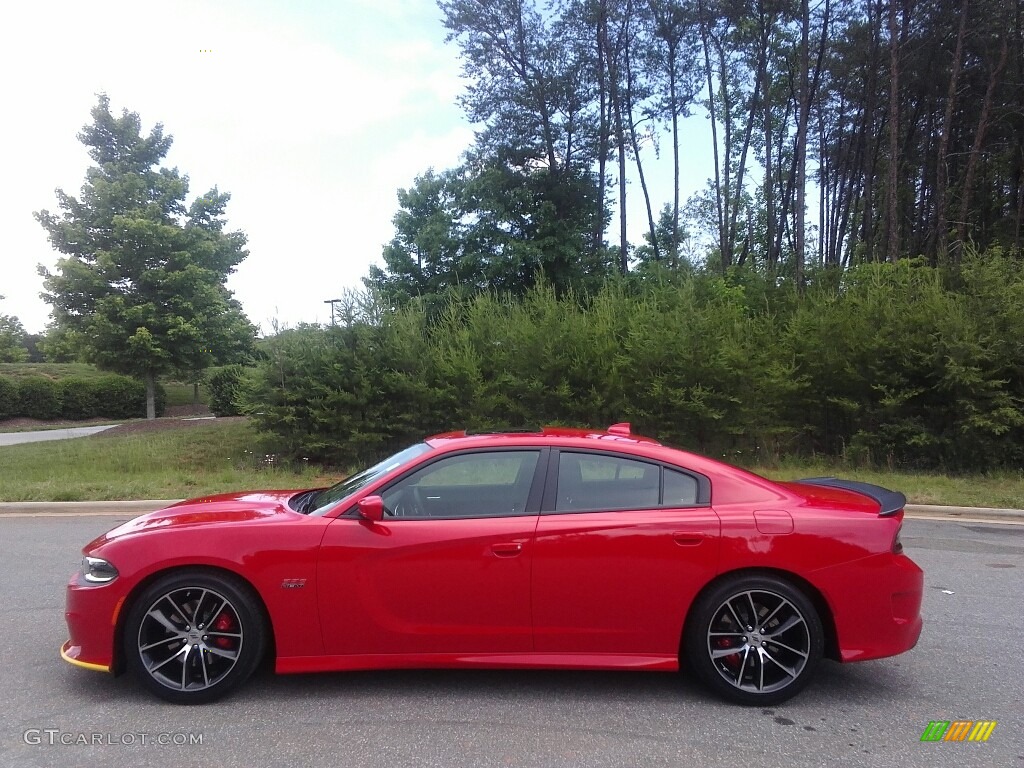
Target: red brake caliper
{"x":224,"y":623}
{"x":733,"y":660}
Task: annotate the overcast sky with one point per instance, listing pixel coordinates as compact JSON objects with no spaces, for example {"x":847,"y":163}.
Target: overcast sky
{"x":311,"y":114}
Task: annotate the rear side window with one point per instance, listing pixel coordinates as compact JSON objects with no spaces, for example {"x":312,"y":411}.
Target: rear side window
{"x":680,"y":489}
{"x":596,"y":482}
{"x":593,"y":481}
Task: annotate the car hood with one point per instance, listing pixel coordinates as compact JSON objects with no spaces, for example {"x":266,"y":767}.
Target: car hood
{"x":222,"y":509}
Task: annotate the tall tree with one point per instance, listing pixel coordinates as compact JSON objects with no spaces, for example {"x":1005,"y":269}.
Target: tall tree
{"x":12,"y":339}
{"x":142,"y":284}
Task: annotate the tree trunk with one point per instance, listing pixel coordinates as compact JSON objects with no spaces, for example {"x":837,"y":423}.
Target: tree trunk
{"x":892,"y":250}
{"x":636,"y":150}
{"x":673,"y":96}
{"x":195,"y":394}
{"x":941,"y":169}
{"x":979,"y":137}
{"x":714,"y":131}
{"x":150,"y":395}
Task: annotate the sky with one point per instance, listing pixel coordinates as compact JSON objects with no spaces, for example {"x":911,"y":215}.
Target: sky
{"x":312,"y":114}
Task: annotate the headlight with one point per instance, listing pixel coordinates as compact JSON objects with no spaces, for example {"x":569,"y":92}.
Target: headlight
{"x":96,"y":570}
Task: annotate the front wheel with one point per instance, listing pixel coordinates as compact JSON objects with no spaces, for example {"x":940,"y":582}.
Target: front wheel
{"x":192,"y":637}
{"x":754,"y":640}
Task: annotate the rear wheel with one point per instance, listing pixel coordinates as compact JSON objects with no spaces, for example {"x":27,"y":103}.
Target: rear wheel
{"x":754,"y":639}
{"x":192,"y":637}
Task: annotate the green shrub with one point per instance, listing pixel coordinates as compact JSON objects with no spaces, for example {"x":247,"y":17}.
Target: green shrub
{"x":79,"y":398}
{"x":39,"y":398}
{"x":224,"y":386}
{"x":898,"y":364}
{"x":9,"y":403}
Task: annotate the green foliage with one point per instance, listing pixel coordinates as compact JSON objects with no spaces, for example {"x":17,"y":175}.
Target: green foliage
{"x":9,"y":401}
{"x":39,"y":398}
{"x":489,"y":226}
{"x":12,"y":339}
{"x":73,"y":397}
{"x":142,"y":286}
{"x":894,"y":364}
{"x":80,"y":398}
{"x":225,"y":384}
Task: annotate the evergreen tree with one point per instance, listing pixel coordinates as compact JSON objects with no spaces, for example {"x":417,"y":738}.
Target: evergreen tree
{"x":142,"y":285}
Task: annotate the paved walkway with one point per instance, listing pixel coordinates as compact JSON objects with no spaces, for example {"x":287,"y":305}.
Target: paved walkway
{"x":16,"y":438}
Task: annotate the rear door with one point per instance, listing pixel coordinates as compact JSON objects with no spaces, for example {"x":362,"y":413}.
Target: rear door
{"x":622,"y":547}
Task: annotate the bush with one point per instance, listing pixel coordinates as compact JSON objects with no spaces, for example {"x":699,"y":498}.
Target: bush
{"x":899,"y":364}
{"x":80,"y":398}
{"x":224,"y":384}
{"x":39,"y":398}
{"x":120,"y":397}
{"x":9,"y":404}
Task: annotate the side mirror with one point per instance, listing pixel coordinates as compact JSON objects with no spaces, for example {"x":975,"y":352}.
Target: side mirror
{"x":371,"y":508}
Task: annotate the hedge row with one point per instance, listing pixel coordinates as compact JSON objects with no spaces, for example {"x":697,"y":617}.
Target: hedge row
{"x":899,"y":364}
{"x":75,"y":398}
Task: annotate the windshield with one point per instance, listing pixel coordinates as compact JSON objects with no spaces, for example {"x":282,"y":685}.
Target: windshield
{"x":362,"y":479}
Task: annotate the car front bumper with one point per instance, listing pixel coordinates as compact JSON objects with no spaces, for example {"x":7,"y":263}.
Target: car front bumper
{"x":91,"y":612}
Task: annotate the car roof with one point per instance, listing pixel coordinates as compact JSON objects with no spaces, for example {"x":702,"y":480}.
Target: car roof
{"x":616,"y":433}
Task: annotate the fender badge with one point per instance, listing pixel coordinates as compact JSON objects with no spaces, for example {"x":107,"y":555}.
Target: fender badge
{"x":293,"y":583}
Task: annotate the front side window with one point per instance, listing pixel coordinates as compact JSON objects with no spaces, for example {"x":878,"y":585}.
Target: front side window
{"x":478,"y":484}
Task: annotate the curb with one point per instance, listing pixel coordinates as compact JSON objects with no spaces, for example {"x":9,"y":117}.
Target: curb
{"x":84,"y":507}
{"x":143,"y":506}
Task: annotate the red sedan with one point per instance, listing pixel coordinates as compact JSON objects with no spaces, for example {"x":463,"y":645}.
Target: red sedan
{"x":560,"y":548}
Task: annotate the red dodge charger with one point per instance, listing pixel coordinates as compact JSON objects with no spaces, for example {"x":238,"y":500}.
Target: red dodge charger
{"x":561,"y":548}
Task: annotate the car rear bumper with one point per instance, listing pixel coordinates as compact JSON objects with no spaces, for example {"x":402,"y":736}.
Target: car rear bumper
{"x":91,"y":612}
{"x":876,"y":605}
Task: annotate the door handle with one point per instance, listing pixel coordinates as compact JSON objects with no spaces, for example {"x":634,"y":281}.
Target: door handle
{"x":507,"y":549}
{"x":687,"y":538}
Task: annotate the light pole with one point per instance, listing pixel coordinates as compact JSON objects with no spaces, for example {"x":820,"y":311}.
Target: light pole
{"x":332,"y":302}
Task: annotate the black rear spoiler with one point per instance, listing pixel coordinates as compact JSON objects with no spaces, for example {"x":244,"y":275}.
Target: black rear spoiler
{"x":891,"y":501}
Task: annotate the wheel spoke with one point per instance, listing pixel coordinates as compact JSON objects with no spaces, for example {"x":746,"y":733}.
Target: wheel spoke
{"x":184,"y":666}
{"x":753,"y":611}
{"x":222,"y":652}
{"x":790,"y":648}
{"x":721,"y":653}
{"x":157,"y":615}
{"x":224,"y":634}
{"x":780,"y":665}
{"x":159,"y":642}
{"x":787,"y":625}
{"x":735,"y":617}
{"x":179,"y":652}
{"x":725,"y":634}
{"x":770,"y":616}
{"x":760,"y":665}
{"x":202,"y":663}
{"x":743,"y":666}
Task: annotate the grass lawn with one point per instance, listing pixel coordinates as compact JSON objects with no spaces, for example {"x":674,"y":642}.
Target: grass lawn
{"x":50,"y":370}
{"x":170,"y":464}
{"x":1000,"y":489}
{"x":226,"y":456}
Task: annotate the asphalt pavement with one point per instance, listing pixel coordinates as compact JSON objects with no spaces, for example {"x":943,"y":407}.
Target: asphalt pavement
{"x":965,"y":667}
{"x":39,"y":436}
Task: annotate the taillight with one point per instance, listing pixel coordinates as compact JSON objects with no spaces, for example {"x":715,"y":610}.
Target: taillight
{"x":897,"y":545}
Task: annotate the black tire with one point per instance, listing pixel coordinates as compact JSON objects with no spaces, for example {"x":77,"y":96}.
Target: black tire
{"x":193,"y":636}
{"x":772,"y":658}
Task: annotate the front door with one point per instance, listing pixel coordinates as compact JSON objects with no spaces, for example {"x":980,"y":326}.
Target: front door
{"x":447,"y":571}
